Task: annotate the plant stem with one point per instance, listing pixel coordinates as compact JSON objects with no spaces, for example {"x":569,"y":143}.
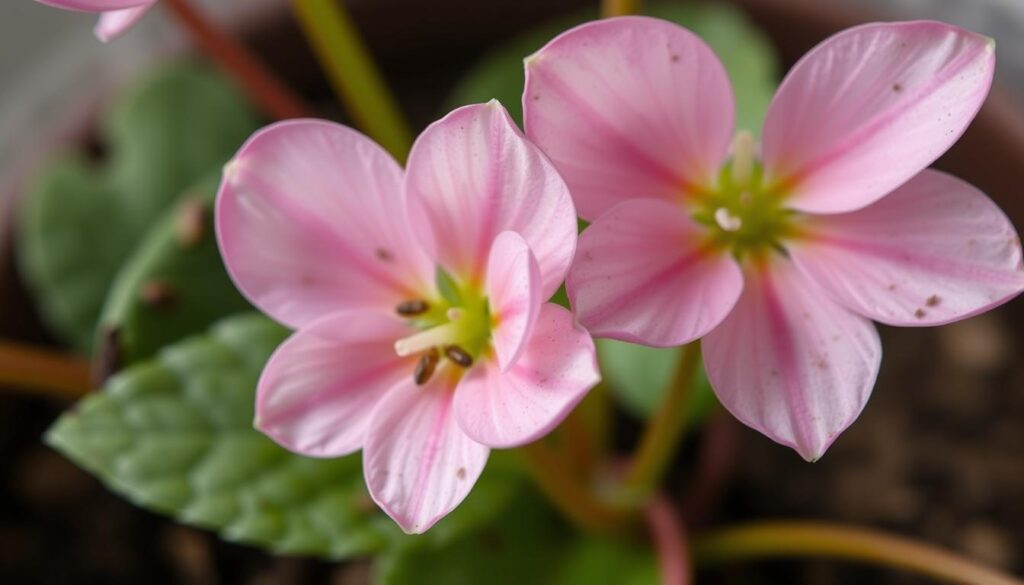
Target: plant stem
{"x":576,"y":502}
{"x":663,"y":433}
{"x":353,"y":74}
{"x":54,"y":374}
{"x":611,"y":8}
{"x":786,"y":539}
{"x":263,"y":88}
{"x":669,"y":542}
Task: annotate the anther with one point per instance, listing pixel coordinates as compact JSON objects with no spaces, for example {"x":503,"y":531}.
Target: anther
{"x":459,"y":356}
{"x":425,"y":367}
{"x":412,"y":308}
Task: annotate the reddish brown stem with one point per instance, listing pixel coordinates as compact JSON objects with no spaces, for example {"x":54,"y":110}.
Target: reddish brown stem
{"x":669,"y":541}
{"x":264,"y":88}
{"x":30,"y":368}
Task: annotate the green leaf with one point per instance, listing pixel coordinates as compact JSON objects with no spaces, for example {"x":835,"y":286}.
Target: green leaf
{"x":81,"y":222}
{"x":743,"y":49}
{"x":528,"y":543}
{"x":175,"y":435}
{"x":174,"y":285}
{"x":523,"y":545}
{"x":639,"y":376}
{"x":594,"y":560}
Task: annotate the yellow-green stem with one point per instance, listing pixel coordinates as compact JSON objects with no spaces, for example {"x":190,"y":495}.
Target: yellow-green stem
{"x":663,"y":433}
{"x":611,"y":8}
{"x":568,"y":494}
{"x":353,"y":74}
{"x":809,"y":539}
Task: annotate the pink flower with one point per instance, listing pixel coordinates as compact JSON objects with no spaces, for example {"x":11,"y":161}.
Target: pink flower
{"x":780,"y":263}
{"x":321,"y":230}
{"x":116,"y":16}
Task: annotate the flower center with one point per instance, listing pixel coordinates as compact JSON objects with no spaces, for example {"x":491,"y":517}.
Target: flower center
{"x":454,"y":328}
{"x":742,"y":213}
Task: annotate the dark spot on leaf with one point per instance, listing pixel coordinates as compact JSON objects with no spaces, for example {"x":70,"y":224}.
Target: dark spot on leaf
{"x":107,"y":360}
{"x":158,"y":294}
{"x":190,"y":222}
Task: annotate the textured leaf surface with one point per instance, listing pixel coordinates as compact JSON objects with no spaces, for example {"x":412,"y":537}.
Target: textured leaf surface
{"x":80,"y":222}
{"x":175,"y":435}
{"x":174,"y":285}
{"x":745,"y":51}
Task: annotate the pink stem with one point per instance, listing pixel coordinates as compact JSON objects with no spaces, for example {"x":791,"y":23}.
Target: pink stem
{"x":669,"y":542}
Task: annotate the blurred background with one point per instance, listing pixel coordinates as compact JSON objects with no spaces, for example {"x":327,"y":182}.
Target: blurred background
{"x":936,"y":455}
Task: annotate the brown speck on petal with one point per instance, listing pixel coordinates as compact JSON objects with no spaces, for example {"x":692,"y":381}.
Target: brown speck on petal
{"x":933,"y":301}
{"x":384,"y":255}
{"x":190,"y":222}
{"x":920,"y":313}
{"x":461,"y":473}
{"x":459,"y":356}
{"x":897,"y":87}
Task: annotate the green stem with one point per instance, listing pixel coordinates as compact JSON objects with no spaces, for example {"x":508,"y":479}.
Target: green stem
{"x":611,"y":8}
{"x":663,"y":434}
{"x":788,"y":539}
{"x":353,"y":74}
{"x":570,"y":496}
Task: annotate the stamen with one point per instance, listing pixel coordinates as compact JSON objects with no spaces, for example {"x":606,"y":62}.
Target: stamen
{"x":426,"y":366}
{"x":412,"y":308}
{"x":742,"y":157}
{"x":727,"y":221}
{"x":459,"y":356}
{"x":434,"y":337}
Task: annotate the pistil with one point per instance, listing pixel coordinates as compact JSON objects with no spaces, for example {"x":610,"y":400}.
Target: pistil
{"x":442,"y":335}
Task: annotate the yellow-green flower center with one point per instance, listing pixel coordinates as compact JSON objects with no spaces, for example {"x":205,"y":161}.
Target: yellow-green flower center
{"x":743,"y":213}
{"x":454,"y":326}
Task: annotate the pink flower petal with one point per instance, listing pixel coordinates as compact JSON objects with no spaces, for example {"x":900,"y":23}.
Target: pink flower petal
{"x":419,"y":464}
{"x":871,"y":107}
{"x":629,"y":107}
{"x":310,"y":221}
{"x":935,"y":250}
{"x":513,"y":290}
{"x":473,"y":175}
{"x":644,"y":274}
{"x":791,"y":363}
{"x":115,"y":23}
{"x":95,"y":5}
{"x":319,"y":388}
{"x":557,"y":368}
